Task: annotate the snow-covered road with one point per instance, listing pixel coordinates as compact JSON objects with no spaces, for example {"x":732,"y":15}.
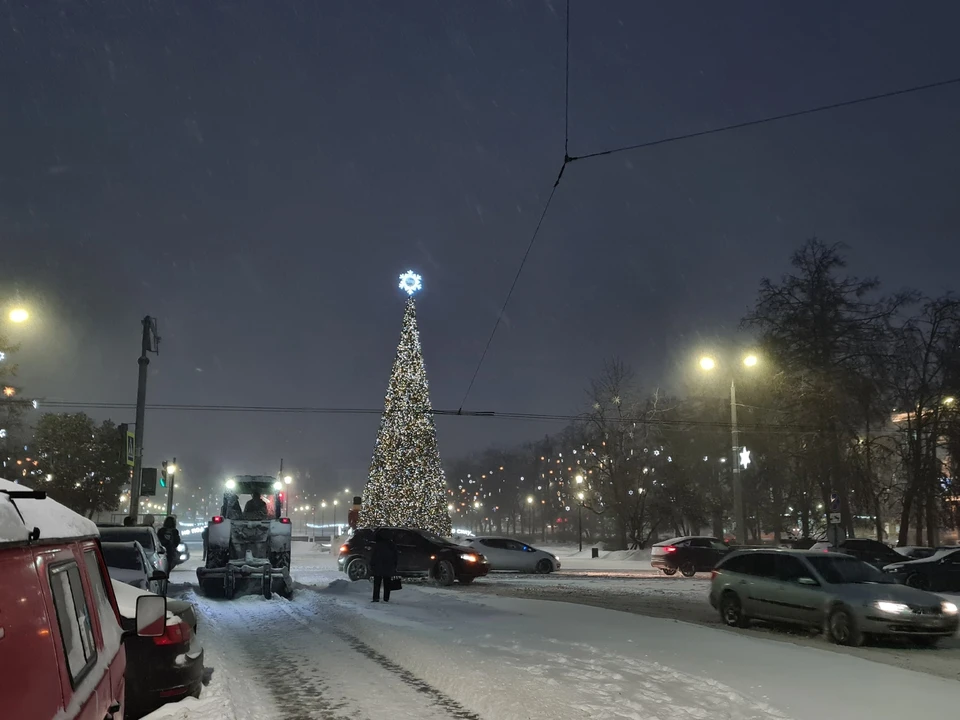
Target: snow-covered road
{"x":444,"y":653}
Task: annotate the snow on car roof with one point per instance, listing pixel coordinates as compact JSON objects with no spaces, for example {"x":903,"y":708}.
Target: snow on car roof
{"x":53,"y":519}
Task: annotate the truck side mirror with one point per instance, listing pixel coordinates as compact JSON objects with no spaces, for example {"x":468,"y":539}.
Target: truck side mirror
{"x":151,"y":616}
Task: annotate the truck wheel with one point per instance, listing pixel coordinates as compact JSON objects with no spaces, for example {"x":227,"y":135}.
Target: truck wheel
{"x":444,"y":573}
{"x":267,"y":586}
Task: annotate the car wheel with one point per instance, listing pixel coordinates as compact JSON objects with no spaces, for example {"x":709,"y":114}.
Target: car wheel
{"x":918,"y":581}
{"x":731,"y":611}
{"x":843,"y":628}
{"x":927,"y":641}
{"x":669,"y":571}
{"x":465,"y":580}
{"x":544,"y":567}
{"x":444,"y":574}
{"x":358,"y":569}
{"x":688,"y":569}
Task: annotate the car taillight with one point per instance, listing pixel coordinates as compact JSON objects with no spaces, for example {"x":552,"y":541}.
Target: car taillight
{"x":285,"y":521}
{"x":216,"y":519}
{"x":670,"y":548}
{"x":175,"y":634}
{"x":713,"y":574}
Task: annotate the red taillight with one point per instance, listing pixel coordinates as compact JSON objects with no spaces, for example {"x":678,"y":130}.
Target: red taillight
{"x":670,"y":548}
{"x":285,"y":521}
{"x":176,"y":634}
{"x":713,"y":574}
{"x":217,"y":519}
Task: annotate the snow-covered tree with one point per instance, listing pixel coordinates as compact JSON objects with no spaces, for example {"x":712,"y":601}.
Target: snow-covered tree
{"x":406,"y":486}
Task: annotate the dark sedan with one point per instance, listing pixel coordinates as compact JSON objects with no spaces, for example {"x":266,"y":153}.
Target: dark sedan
{"x":689,"y":555}
{"x":160,"y":669}
{"x":419,"y":554}
{"x":940,"y":572}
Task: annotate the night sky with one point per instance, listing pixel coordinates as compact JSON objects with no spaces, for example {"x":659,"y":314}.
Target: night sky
{"x":257,"y":175}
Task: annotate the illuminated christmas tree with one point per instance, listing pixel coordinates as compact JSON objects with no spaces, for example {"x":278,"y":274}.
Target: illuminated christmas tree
{"x":406,"y":487}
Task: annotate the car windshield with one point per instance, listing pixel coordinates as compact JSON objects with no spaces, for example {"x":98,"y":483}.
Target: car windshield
{"x":142,"y":535}
{"x":122,"y":557}
{"x":839,"y":570}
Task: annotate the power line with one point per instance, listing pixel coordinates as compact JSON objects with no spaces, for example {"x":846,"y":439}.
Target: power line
{"x":542,"y":417}
{"x":770,"y":119}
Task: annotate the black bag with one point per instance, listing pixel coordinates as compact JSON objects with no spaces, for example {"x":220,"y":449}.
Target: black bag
{"x":394,"y":584}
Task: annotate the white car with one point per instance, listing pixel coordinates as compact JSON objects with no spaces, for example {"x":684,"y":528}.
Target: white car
{"x":507,"y":554}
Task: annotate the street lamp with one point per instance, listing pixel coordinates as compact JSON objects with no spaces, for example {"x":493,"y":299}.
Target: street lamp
{"x":335,"y":503}
{"x":323,"y":506}
{"x":530,"y":503}
{"x":19,"y":315}
{"x":580,"y":519}
{"x":707,"y":364}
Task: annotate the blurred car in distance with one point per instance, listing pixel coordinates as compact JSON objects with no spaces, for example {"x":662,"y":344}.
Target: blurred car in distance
{"x":940,"y":572}
{"x":507,"y":554}
{"x":689,"y":555}
{"x":872,"y":552}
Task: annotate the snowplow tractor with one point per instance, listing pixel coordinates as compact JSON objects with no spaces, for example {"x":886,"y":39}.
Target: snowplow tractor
{"x":248,"y":543}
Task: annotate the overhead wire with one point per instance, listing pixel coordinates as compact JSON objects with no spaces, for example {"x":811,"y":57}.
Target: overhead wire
{"x":567,"y":159}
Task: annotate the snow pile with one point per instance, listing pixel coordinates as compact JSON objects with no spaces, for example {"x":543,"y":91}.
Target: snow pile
{"x":127,"y":598}
{"x":53,"y":519}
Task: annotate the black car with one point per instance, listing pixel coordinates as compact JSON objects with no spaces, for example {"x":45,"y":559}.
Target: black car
{"x":689,"y":555}
{"x":939,"y":573}
{"x":161,"y":669}
{"x":872,"y":552}
{"x":128,"y":563}
{"x":419,"y":554}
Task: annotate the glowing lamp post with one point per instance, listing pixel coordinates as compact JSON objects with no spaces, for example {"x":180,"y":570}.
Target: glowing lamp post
{"x":740,"y":460}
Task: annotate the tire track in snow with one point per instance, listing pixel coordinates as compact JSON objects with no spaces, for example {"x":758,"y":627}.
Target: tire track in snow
{"x":438,"y":697}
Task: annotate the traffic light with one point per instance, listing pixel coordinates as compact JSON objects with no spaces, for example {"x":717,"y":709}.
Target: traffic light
{"x":163,"y":474}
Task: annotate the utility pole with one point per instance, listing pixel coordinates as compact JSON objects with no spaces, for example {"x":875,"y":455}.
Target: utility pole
{"x":172,"y":479}
{"x":739,"y":514}
{"x":149,"y":343}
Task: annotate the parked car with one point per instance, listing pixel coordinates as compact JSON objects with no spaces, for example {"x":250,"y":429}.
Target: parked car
{"x":689,"y":555}
{"x":128,"y":563}
{"x":160,"y":669}
{"x":817,"y":589}
{"x":507,"y":554}
{"x":940,"y":572}
{"x":419,"y":554}
{"x":915,"y":552}
{"x":872,"y":552}
{"x":59,"y":626}
{"x":146,"y":536}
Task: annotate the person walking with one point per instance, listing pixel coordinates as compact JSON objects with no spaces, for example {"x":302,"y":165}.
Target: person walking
{"x":170,"y":537}
{"x":383,"y":566}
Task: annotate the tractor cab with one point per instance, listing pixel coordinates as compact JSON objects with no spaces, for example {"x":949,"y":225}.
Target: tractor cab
{"x":252,"y":497}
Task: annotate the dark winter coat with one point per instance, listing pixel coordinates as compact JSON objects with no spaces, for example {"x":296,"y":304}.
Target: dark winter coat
{"x":170,"y":538}
{"x":383,"y":561}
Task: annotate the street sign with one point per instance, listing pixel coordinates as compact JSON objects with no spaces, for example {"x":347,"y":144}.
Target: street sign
{"x":131,"y":439}
{"x":834,"y":518}
{"x":148,"y":481}
{"x":834,"y":502}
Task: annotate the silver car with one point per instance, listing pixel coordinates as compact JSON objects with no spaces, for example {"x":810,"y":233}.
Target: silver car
{"x":839,"y":594}
{"x":508,"y":554}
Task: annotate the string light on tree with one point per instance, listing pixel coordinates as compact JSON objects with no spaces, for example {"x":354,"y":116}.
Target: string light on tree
{"x":406,"y":485}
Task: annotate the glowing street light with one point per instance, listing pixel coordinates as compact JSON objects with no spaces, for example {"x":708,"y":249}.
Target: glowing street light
{"x":19,"y":315}
{"x":288,"y":479}
{"x":949,"y":400}
{"x":750,"y":360}
{"x":707,"y":363}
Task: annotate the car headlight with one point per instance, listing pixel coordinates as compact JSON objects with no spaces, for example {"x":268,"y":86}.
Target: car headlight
{"x":468,"y":558}
{"x":893,"y":608}
{"x":948,"y":608}
{"x":181,"y":548}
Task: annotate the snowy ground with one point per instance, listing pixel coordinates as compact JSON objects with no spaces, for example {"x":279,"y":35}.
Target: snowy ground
{"x":485,"y":653}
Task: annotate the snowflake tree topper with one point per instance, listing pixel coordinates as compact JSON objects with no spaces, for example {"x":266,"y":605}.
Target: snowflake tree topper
{"x":410,"y":282}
